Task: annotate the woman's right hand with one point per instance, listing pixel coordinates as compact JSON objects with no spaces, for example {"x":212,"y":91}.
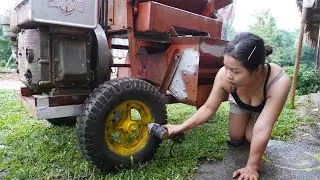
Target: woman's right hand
{"x":174,"y":129}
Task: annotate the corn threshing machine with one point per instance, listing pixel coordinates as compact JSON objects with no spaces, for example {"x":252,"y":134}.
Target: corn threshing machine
{"x":63,"y":50}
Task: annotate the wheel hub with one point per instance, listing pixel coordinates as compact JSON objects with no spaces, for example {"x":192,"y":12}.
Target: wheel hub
{"x":126,"y":130}
{"x":130,"y":126}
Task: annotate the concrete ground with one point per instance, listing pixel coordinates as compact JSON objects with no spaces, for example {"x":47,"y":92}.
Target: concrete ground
{"x":10,"y":81}
{"x":10,"y":84}
{"x":283,"y":161}
{"x":296,"y":160}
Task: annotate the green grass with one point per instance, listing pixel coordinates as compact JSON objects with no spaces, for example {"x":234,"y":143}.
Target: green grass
{"x":38,"y":150}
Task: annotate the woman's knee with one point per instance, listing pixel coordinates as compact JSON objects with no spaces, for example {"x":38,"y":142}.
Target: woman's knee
{"x":237,"y":126}
{"x":249,"y":129}
{"x":249,"y":137}
{"x":236,"y":136}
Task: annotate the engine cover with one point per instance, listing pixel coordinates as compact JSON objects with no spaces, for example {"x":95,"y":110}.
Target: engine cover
{"x":32,"y":71}
{"x":72,"y":13}
{"x":71,"y":62}
{"x":52,"y":60}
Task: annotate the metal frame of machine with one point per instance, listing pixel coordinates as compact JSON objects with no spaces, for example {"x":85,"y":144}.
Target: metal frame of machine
{"x":175,"y":50}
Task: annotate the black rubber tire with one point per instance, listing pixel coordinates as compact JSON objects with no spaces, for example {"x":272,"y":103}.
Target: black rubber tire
{"x":90,"y":126}
{"x":66,"y":121}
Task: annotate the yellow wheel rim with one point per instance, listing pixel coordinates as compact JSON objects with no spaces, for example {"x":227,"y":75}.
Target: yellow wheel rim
{"x":126,"y":130}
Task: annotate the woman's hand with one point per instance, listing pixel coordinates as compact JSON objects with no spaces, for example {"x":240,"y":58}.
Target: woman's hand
{"x":246,"y":173}
{"x":174,"y":129}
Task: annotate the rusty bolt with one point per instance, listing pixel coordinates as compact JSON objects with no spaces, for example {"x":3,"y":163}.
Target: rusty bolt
{"x":184,"y":73}
{"x":187,"y":82}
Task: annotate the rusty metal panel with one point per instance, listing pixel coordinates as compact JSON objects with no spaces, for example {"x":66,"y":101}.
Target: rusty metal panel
{"x":154,"y":65}
{"x":203,"y":92}
{"x":221,"y":3}
{"x":195,"y":6}
{"x":149,"y":66}
{"x":171,"y":70}
{"x":211,"y":59}
{"x":156,"y":17}
{"x":117,"y":15}
{"x":191,"y":81}
{"x":110,"y":20}
{"x":185,"y":80}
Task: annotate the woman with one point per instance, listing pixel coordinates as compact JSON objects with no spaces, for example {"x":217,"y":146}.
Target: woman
{"x":257,"y":92}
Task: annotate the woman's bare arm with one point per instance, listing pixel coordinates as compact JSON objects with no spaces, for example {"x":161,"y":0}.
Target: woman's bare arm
{"x":263,"y":127}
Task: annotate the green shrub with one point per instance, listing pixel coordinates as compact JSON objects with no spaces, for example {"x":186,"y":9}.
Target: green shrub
{"x":308,"y":79}
{"x":3,"y":63}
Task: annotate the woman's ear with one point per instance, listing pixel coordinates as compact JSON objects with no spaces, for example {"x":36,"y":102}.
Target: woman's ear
{"x":258,"y":69}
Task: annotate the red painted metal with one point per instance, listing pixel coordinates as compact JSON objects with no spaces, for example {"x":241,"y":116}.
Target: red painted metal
{"x":201,"y":7}
{"x":25,"y":92}
{"x":170,"y":71}
{"x":203,"y":92}
{"x":194,"y":6}
{"x":156,"y":59}
{"x":221,"y":3}
{"x":159,"y":68}
{"x":151,"y":67}
{"x":156,"y":17}
{"x":211,"y":59}
{"x":117,"y":15}
{"x":132,"y":41}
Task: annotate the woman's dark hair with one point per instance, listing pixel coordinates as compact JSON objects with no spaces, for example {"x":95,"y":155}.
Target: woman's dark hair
{"x":249,"y":49}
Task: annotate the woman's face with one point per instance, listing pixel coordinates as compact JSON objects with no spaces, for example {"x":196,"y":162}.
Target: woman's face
{"x":236,"y":74}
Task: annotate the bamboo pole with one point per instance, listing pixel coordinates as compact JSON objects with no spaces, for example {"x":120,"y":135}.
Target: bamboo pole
{"x":297,"y":63}
{"x":318,"y":51}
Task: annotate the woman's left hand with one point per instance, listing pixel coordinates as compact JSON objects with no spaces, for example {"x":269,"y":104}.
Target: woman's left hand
{"x":246,"y":173}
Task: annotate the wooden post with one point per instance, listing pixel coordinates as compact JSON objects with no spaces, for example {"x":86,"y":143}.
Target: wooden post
{"x":318,"y":52}
{"x":297,"y":63}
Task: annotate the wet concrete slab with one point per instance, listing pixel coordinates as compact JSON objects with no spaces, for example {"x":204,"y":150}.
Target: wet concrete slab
{"x":282,"y":160}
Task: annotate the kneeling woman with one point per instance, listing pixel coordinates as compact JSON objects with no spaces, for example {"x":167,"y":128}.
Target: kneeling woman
{"x":257,"y":92}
